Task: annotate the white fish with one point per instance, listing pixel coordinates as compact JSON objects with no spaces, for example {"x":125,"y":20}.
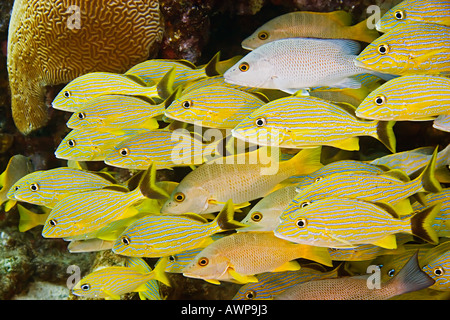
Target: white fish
{"x":298,"y":63}
{"x":442,"y":123}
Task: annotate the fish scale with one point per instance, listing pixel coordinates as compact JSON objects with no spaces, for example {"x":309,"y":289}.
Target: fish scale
{"x":214,"y":106}
{"x":416,"y":11}
{"x":413,"y":49}
{"x":343,"y":222}
{"x":303,"y":121}
{"x":271,"y":284}
{"x":296,"y":63}
{"x":421,"y":97}
{"x":56,"y":184}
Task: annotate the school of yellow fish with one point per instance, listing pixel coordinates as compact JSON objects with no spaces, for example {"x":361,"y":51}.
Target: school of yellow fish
{"x":315,"y":228}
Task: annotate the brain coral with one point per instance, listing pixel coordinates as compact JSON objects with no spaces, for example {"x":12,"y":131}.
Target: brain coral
{"x":52,"y":42}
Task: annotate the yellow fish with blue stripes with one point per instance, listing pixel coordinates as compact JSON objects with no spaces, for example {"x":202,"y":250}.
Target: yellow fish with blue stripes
{"x":392,"y":187}
{"x":91,"y":145}
{"x":46,"y":188}
{"x":343,"y":222}
{"x":215,"y":106}
{"x":86,"y":212}
{"x":79,"y":91}
{"x":116,"y":112}
{"x":164,"y":235}
{"x":112,"y":282}
{"x":305,"y":122}
{"x":421,"y":98}
{"x":418,"y":48}
{"x":166,"y":149}
{"x":415,"y":11}
{"x":413,"y":161}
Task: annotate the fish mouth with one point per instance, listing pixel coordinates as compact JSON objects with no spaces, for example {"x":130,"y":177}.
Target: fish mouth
{"x":360,"y":64}
{"x":379,"y":27}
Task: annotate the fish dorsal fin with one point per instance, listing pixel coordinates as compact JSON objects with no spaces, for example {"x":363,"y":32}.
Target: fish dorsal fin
{"x":397,"y":174}
{"x":196,"y":217}
{"x":106,"y":176}
{"x":165,"y":86}
{"x":341,"y":17}
{"x":116,"y":188}
{"x":186,"y":63}
{"x":211,"y":66}
{"x":386,"y":207}
{"x":136,"y":79}
{"x":261,"y":96}
{"x":173,"y":96}
{"x":347,"y":107}
{"x":350,"y":47}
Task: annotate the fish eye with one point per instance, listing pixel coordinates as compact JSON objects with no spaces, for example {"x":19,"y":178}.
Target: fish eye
{"x":391,"y":272}
{"x":124,"y":152}
{"x":85,"y":287}
{"x":380,"y":100}
{"x":67,"y":94}
{"x":383,"y":48}
{"x":399,"y":15}
{"x":179,"y":197}
{"x":172,"y":258}
{"x":52,"y":222}
{"x":263,"y":35}
{"x":244,"y":66}
{"x":301,"y":222}
{"x":318,"y":179}
{"x":186,"y":104}
{"x":71,"y":143}
{"x":81,"y":115}
{"x":16,"y":188}
{"x":260,"y":122}
{"x":125,"y":240}
{"x":250,"y":295}
{"x":305,"y":204}
{"x":34,"y":187}
{"x":256,"y":216}
{"x":203,"y":262}
{"x":438,"y":271}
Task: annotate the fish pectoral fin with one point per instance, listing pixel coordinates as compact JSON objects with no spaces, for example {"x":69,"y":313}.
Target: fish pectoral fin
{"x":213,"y":281}
{"x":9,"y":204}
{"x":241,"y":279}
{"x":348,"y":83}
{"x":424,"y":57}
{"x":110,"y":295}
{"x":288,"y":266}
{"x":350,"y":144}
{"x":345,"y":243}
{"x":388,"y":242}
{"x":236,"y":206}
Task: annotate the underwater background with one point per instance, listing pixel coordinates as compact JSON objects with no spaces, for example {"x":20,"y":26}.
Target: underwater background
{"x":32,"y":267}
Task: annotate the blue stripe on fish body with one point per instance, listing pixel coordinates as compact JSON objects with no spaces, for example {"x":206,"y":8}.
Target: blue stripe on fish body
{"x":50,"y":186}
{"x":352,"y":221}
{"x":158,"y":236}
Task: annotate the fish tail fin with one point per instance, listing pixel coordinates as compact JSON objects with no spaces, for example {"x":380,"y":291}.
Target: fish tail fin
{"x":422,"y":224}
{"x":165,"y":86}
{"x":317,"y":254}
{"x":427,"y":178}
{"x":365,"y":33}
{"x":307,"y":160}
{"x":159,"y":271}
{"x":29,"y":219}
{"x":411,"y":277}
{"x":385,"y":134}
{"x":148,"y":187}
{"x":225,"y":218}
